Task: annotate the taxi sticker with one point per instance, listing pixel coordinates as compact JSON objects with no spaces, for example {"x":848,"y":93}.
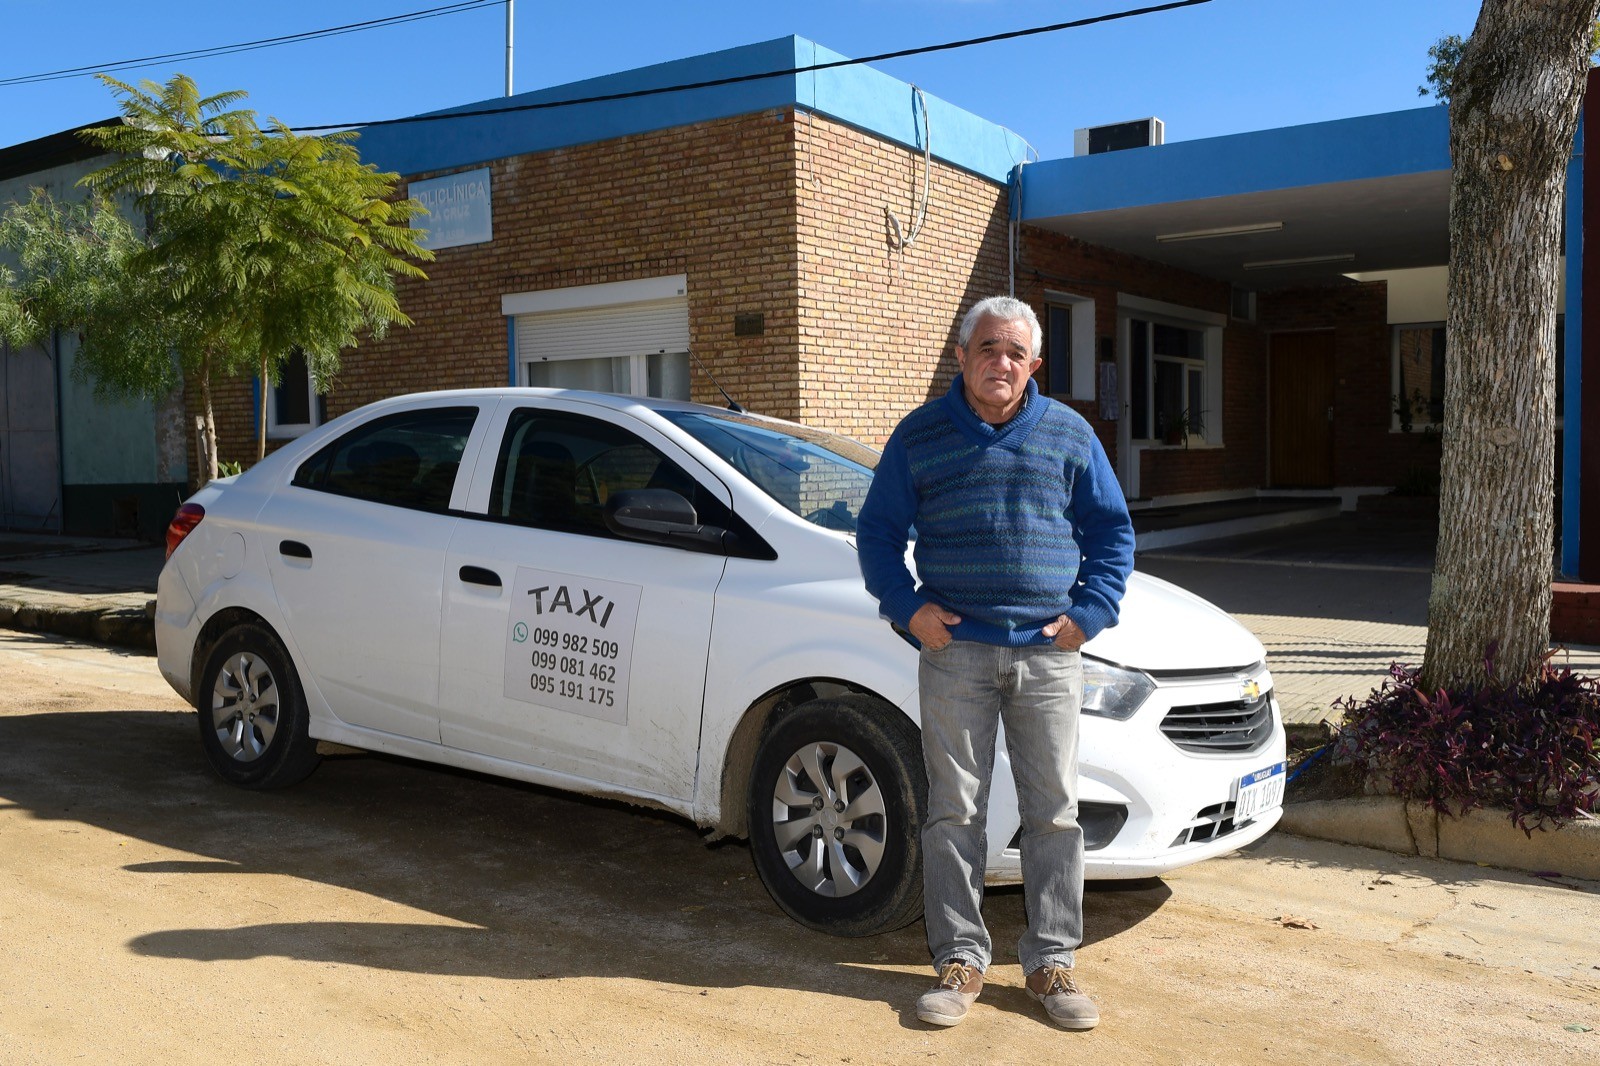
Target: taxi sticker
{"x":569,"y":643}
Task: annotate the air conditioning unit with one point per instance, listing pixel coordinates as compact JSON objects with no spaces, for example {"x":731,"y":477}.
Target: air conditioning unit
{"x":1140,"y":133}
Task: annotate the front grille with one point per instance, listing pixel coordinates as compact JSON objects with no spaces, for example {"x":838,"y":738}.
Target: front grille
{"x":1212,"y":822}
{"x":1100,"y":822}
{"x":1221,"y":728}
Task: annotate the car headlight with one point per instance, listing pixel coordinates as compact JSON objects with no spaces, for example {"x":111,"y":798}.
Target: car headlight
{"x":1113,"y":692}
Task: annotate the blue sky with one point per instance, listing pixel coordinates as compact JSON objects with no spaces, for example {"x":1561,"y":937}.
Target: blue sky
{"x":1222,"y":67}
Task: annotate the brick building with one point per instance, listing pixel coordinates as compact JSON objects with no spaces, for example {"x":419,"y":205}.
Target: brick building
{"x":1236,"y":315}
{"x":750,"y":234}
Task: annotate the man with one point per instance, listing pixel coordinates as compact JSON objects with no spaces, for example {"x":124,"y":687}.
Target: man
{"x":1023,"y":547}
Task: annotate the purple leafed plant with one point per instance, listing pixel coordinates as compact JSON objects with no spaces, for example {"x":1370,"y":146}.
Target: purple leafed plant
{"x":1532,"y":748}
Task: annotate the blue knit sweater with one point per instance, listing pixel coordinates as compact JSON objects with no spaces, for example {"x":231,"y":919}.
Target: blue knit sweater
{"x":1015,"y":525}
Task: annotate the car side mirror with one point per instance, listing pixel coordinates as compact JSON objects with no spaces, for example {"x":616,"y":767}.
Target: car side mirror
{"x":661,"y":516}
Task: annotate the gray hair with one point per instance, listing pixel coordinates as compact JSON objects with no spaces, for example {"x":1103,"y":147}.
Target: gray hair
{"x":1006,"y":309}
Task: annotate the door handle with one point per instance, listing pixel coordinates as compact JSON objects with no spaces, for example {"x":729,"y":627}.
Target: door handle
{"x":293,"y":549}
{"x":1330,"y":412}
{"x":478,"y":575}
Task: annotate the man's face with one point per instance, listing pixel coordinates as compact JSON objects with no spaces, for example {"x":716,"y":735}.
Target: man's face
{"x":995,"y":366}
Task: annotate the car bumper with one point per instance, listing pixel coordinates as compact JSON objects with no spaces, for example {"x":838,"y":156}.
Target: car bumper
{"x":177,"y":625}
{"x":1150,"y":804}
{"x":1006,"y":867}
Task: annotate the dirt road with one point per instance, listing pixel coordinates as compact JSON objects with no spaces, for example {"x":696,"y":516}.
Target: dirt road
{"x":388,"y":912}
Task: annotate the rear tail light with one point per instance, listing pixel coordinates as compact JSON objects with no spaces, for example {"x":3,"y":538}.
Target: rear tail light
{"x":182,"y":525}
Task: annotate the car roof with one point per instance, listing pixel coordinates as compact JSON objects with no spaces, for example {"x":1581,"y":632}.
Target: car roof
{"x":615,"y":401}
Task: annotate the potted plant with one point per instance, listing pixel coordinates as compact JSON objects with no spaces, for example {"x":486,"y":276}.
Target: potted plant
{"x":1179,"y":426}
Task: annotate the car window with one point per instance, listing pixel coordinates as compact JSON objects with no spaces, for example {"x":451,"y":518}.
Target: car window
{"x":556,"y":471}
{"x":820,"y":476}
{"x":406,"y":460}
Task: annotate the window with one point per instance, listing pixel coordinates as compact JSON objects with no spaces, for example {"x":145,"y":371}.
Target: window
{"x":1068,"y":350}
{"x":1174,"y":374}
{"x":627,"y":337}
{"x":821,"y":477}
{"x":556,"y":472}
{"x":404,"y":460}
{"x":663,"y":374}
{"x":1418,"y":376}
{"x":1178,"y":360}
{"x":1058,"y":348}
{"x":294,"y":405}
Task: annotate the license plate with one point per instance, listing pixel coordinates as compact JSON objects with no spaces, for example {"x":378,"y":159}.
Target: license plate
{"x":1259,"y":791}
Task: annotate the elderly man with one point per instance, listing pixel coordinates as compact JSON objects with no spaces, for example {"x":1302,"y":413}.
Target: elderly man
{"x":1023,"y":548}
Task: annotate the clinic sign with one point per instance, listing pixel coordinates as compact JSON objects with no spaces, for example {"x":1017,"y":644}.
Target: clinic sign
{"x":459,"y":209}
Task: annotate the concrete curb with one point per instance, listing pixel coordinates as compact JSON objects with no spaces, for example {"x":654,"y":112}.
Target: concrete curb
{"x":1484,"y":836}
{"x":123,"y":627}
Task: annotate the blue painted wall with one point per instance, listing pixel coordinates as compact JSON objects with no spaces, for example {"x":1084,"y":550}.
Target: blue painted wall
{"x":1320,"y":153}
{"x":857,"y":95}
{"x":1572,"y":365}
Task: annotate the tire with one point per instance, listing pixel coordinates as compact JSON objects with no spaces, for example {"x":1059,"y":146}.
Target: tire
{"x":253,"y":718}
{"x":841,"y":873}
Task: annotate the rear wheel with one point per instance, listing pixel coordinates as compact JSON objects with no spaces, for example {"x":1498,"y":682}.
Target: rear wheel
{"x":253,"y":719}
{"x":836,"y":805}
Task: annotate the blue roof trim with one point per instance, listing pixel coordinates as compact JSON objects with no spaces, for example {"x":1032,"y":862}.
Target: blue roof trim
{"x":857,"y":95}
{"x":1319,"y":153}
{"x":871,"y":100}
{"x":1571,"y":366}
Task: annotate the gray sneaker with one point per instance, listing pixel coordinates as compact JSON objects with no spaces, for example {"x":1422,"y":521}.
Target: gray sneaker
{"x":1066,"y":1004}
{"x":947,"y":1002}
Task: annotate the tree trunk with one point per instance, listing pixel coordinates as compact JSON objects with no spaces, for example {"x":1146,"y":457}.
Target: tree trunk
{"x":261,"y":413}
{"x":208,"y":420}
{"x":1513,"y":113}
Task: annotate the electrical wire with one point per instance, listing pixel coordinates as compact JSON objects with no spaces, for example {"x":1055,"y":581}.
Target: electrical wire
{"x":1013,"y":229}
{"x":473,"y":5}
{"x":250,"y":46}
{"x":634,"y":94}
{"x":897,"y":240}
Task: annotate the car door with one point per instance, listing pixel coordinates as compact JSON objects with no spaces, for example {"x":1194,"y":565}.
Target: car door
{"x":565,"y":646}
{"x":355,"y":545}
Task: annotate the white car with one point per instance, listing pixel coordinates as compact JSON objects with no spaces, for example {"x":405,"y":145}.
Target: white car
{"x":661,"y":602}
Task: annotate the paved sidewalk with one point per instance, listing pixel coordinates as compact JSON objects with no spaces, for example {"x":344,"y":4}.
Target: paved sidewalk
{"x":1334,"y":602}
{"x":98,"y":590}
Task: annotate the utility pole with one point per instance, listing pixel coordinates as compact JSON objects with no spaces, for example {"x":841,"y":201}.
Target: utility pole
{"x":511,"y":7}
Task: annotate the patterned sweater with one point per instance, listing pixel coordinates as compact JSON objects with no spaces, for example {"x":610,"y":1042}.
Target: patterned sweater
{"x":1014,"y":525}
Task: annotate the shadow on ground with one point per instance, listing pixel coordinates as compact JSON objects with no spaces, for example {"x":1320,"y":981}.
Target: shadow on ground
{"x":524,"y":882}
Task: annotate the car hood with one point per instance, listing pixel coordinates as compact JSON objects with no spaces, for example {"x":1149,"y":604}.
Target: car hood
{"x":1164,"y":627}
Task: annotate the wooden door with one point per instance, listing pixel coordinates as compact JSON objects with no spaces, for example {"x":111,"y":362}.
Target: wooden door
{"x":1301,"y":410}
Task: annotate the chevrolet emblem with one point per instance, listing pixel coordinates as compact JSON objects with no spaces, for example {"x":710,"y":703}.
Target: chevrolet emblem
{"x":1249,"y":690}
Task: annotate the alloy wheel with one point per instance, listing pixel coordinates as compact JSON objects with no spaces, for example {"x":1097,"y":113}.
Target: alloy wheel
{"x":828,"y":819}
{"x":244,"y":707}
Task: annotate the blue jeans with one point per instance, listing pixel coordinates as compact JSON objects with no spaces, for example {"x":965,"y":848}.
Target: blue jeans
{"x":967,"y":690}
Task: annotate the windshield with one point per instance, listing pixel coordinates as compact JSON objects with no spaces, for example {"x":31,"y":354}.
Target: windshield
{"x":822,"y":477}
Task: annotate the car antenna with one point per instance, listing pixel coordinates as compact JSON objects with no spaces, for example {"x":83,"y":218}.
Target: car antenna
{"x":733,"y":405}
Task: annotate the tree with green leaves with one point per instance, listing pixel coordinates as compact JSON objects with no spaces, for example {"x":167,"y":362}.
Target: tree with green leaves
{"x":260,"y":242}
{"x":75,"y":273}
{"x":1445,"y":56}
{"x":1514,"y":99}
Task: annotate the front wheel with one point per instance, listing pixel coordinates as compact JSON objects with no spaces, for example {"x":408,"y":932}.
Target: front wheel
{"x":253,"y":719}
{"x":836,"y":805}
